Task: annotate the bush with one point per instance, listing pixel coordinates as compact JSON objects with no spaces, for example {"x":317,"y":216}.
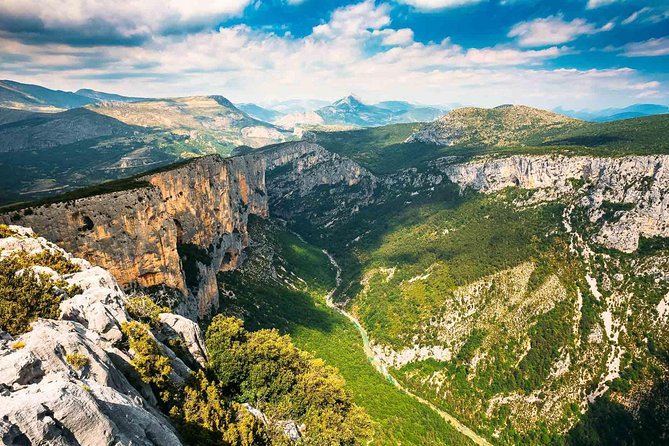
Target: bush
{"x":144,"y":309}
{"x":265,"y":370}
{"x":5,"y":231}
{"x":77,"y":361}
{"x":27,"y":296}
{"x":148,"y":360}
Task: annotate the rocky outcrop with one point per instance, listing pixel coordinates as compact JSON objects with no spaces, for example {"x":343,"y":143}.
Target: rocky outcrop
{"x":335,"y":185}
{"x":177,"y":230}
{"x":500,"y":126}
{"x":634,"y":187}
{"x":49,"y":399}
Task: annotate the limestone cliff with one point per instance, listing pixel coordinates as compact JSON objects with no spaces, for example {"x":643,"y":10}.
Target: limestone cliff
{"x":178,"y":231}
{"x":636,"y":186}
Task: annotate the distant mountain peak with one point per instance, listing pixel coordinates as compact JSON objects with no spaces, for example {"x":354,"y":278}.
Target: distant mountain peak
{"x":350,"y":100}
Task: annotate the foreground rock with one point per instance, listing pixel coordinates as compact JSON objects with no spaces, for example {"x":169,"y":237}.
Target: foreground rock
{"x":47,"y":397}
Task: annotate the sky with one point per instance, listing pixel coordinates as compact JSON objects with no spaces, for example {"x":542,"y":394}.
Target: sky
{"x":575,"y":54}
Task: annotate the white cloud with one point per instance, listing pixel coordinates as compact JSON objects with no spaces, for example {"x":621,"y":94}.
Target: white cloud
{"x":355,"y":20}
{"x":259,"y":65}
{"x":635,"y":15}
{"x":432,"y":5}
{"x":553,"y":30}
{"x":651,"y":47}
{"x":401,"y":37}
{"x":125,"y":17}
{"x":592,"y":4}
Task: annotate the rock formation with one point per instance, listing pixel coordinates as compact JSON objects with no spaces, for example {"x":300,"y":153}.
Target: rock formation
{"x":177,"y":231}
{"x":637,"y":184}
{"x":48,"y":400}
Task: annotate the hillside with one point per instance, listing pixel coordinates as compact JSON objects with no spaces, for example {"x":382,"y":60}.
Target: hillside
{"x":47,"y":153}
{"x":38,"y":98}
{"x":524,"y":294}
{"x":503,"y":126}
{"x":390,"y":148}
{"x":42,"y":131}
{"x":212,"y":120}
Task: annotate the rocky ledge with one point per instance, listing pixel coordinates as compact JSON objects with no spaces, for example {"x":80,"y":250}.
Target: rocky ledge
{"x":50,"y":398}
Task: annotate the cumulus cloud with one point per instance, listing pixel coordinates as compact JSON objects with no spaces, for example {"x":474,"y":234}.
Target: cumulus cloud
{"x":355,"y":20}
{"x":650,"y":47}
{"x":592,"y":4}
{"x":432,"y":5}
{"x":114,"y":19}
{"x":401,"y":37}
{"x":553,"y":30}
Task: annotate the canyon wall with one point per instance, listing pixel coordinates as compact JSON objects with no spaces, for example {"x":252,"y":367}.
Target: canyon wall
{"x":176,"y":230}
{"x":636,"y":187}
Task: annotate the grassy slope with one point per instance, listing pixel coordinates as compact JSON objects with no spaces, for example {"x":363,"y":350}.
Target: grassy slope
{"x":314,"y":327}
{"x":382,"y":150}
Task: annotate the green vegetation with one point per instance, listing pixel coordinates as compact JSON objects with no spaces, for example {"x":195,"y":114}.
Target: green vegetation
{"x":382,"y":149}
{"x":144,"y":309}
{"x":268,"y":372}
{"x":293,"y":302}
{"x":260,"y":368}
{"x":76,"y":360}
{"x":5,"y":231}
{"x":26,"y":295}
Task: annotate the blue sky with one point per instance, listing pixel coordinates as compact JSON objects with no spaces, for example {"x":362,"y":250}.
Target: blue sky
{"x":575,"y":54}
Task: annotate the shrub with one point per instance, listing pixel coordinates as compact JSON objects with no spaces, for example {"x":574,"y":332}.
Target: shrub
{"x":144,"y":309}
{"x":267,"y":371}
{"x":5,"y":231}
{"x":28,"y":296}
{"x":77,"y":361}
{"x":149,"y":361}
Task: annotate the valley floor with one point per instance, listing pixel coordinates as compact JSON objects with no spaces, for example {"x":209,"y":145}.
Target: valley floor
{"x":291,"y":299}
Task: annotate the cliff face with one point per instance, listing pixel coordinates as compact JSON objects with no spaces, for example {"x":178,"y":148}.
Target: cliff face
{"x":304,"y":178}
{"x":189,"y":224}
{"x":635,"y":186}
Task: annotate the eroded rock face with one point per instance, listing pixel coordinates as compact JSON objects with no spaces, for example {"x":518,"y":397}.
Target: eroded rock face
{"x":47,"y":402}
{"x":46,"y":399}
{"x":137,"y":234}
{"x":638,"y":183}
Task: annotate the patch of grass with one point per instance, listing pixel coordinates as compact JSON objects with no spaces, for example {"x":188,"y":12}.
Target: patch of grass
{"x":76,"y":360}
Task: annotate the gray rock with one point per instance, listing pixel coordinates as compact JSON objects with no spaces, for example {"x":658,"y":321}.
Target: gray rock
{"x":178,"y":327}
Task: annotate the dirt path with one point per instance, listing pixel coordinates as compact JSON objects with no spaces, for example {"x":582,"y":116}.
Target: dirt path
{"x":381,"y":368}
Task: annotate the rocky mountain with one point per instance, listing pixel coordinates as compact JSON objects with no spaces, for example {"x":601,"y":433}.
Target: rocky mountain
{"x":98,"y":366}
{"x":37,"y":98}
{"x":115,"y":137}
{"x":505,"y":125}
{"x":212,"y":119}
{"x":613,"y":114}
{"x":505,"y":268}
{"x":351,"y":111}
{"x":65,"y":381}
{"x":101,"y":96}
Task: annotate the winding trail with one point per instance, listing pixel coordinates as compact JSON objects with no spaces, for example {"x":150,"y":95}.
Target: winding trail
{"x":381,"y":367}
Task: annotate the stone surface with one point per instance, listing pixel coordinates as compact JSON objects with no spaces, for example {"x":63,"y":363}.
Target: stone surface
{"x":640,"y":182}
{"x":178,"y":327}
{"x":135,"y":234}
